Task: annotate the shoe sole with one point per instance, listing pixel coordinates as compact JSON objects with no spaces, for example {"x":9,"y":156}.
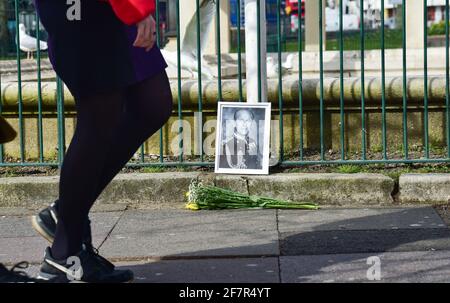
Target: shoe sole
{"x":37,"y":227}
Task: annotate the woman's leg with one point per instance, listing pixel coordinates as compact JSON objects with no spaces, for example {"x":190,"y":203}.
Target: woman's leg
{"x":148,"y":106}
{"x":97,"y":119}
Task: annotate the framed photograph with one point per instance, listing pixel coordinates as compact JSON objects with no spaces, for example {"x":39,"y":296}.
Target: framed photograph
{"x":242,"y":138}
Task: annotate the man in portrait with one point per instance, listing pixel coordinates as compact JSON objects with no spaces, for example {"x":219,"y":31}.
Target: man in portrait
{"x":240,"y":151}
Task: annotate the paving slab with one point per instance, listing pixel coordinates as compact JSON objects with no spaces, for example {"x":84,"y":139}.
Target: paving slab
{"x":17,"y":249}
{"x":334,"y":231}
{"x":16,"y":211}
{"x":405,"y":267}
{"x":102,"y":223}
{"x":188,"y":233}
{"x":19,"y":241}
{"x":20,"y":226}
{"x":23,"y":211}
{"x":363,"y":241}
{"x":237,"y":270}
{"x":16,"y":226}
{"x":359,"y":219}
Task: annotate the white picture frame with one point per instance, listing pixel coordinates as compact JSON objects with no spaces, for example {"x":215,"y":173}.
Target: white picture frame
{"x":242,"y":138}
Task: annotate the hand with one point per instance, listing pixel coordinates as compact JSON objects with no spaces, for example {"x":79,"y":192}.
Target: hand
{"x":146,"y":35}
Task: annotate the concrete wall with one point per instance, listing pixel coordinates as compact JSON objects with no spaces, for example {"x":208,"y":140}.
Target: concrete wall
{"x":291,"y":131}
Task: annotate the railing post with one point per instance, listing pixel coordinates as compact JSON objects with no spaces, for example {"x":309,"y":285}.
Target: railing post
{"x":256,"y":77}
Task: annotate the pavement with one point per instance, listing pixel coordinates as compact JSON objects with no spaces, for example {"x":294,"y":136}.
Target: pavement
{"x":408,"y":244}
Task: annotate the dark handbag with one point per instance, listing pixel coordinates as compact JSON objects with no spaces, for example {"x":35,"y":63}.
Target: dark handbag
{"x":7,"y":132}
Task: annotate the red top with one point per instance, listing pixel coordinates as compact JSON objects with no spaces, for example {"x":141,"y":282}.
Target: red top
{"x":132,"y":11}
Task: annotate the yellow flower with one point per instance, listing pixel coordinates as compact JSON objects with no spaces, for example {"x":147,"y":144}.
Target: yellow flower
{"x":192,"y":206}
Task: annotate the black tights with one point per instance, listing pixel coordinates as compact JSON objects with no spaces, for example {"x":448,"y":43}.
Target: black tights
{"x":109,"y":130}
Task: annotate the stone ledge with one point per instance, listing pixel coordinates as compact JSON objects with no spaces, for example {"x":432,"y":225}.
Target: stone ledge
{"x":157,"y":189}
{"x":329,"y":189}
{"x":424,"y":188}
{"x":161,"y":190}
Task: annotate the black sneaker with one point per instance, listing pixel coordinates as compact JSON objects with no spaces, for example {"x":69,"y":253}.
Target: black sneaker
{"x":89,"y":270}
{"x":94,"y":252}
{"x":45,"y":224}
{"x":13,"y":276}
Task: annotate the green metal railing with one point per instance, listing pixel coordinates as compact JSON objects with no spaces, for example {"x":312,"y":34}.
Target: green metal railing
{"x":300,"y":86}
{"x":447,"y":78}
{"x":284,"y":160}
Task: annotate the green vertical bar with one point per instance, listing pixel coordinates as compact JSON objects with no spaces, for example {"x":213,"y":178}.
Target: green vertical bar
{"x":239,"y":50}
{"x":19,"y":82}
{"x":383,"y":82}
{"x":405,"y":105}
{"x":425,"y":77}
{"x":142,"y":151}
{"x":158,"y":41}
{"x":258,"y":41}
{"x":1,"y":110}
{"x":447,"y":77}
{"x":322,"y":148}
{"x":199,"y":65}
{"x":40,"y":132}
{"x":300,"y":80}
{"x":61,"y":122}
{"x":341,"y":77}
{"x":363,"y":105}
{"x":219,"y":55}
{"x":180,"y":117}
{"x":280,"y":80}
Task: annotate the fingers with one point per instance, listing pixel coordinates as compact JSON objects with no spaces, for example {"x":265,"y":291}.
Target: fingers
{"x":143,"y":38}
{"x":152,"y":33}
{"x":140,"y":38}
{"x":146,"y":35}
{"x":153,"y":41}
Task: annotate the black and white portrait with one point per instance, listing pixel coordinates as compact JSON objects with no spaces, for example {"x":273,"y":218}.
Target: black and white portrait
{"x":242,"y":138}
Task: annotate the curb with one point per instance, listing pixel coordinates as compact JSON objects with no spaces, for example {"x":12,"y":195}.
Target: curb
{"x":167,"y":190}
{"x":424,"y":188}
{"x":155,"y":189}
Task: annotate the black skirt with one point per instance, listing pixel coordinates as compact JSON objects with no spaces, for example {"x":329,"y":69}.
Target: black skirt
{"x":95,"y":54}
